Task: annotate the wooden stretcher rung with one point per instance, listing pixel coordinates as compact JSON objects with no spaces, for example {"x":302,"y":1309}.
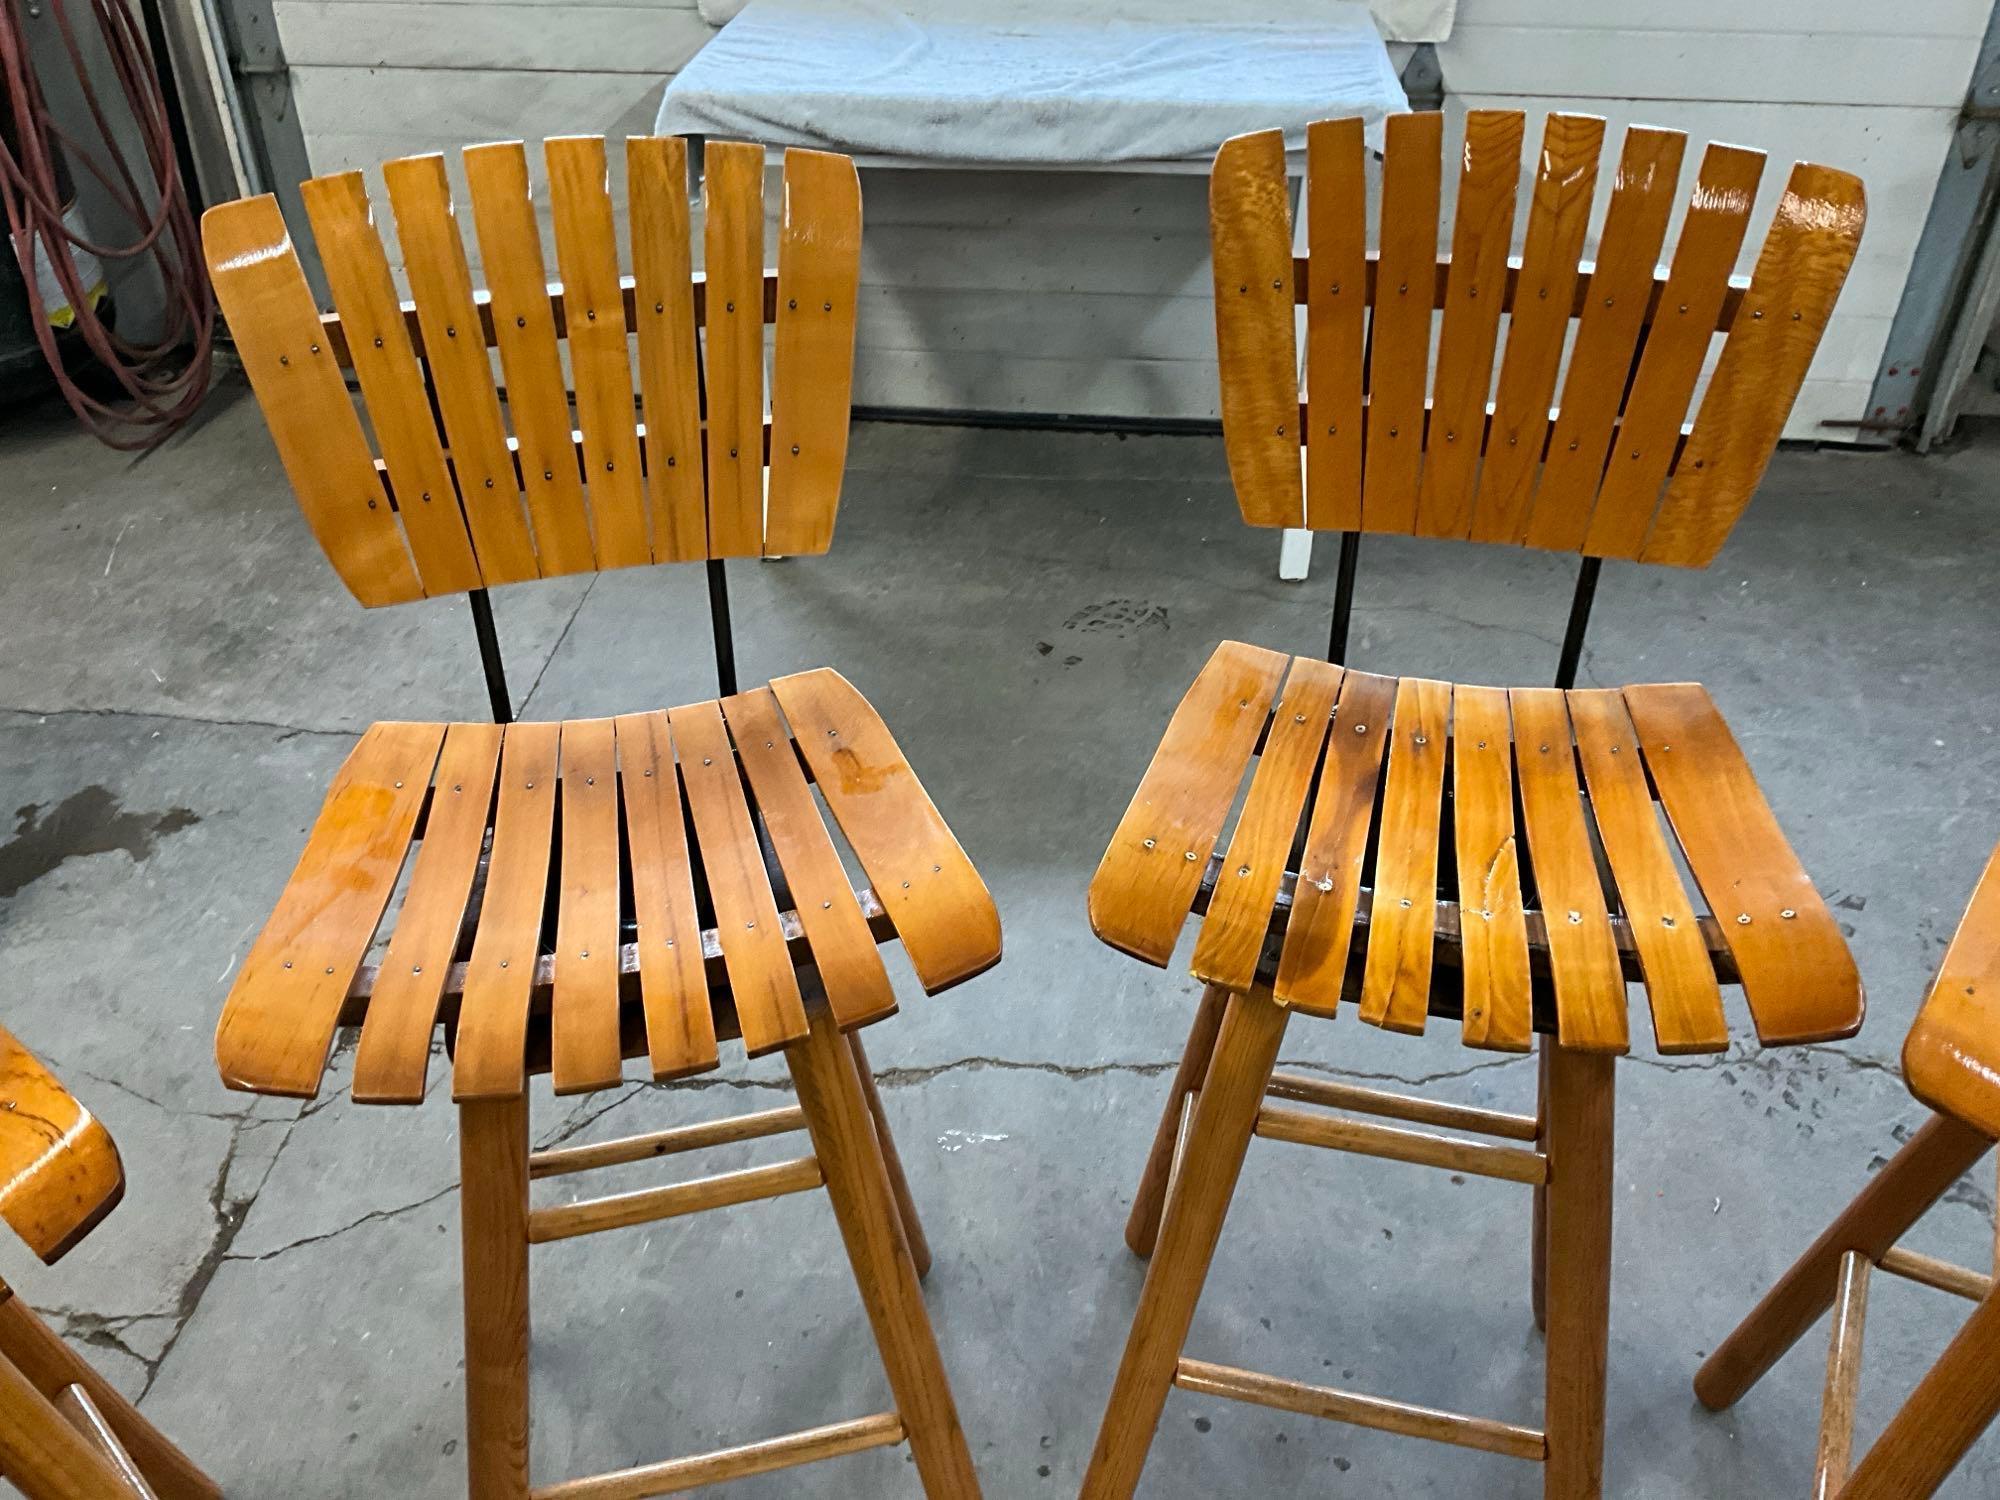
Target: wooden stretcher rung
{"x":1402,"y":1107}
{"x":1481,"y":1159}
{"x":1732,"y":300}
{"x":631,"y":1148}
{"x":82,"y":1413}
{"x":1941,"y":1275}
{"x":623,"y":1210}
{"x":1843,"y":1376}
{"x":676,"y":1475}
{"x":336,"y":336}
{"x":1483,"y":1433}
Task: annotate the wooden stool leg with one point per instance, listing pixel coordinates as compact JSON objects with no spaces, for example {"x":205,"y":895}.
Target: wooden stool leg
{"x":493,"y":1208}
{"x":906,"y":1205}
{"x":1898,"y":1195}
{"x":844,"y":1139}
{"x":42,"y":1454}
{"x":1225,"y":1116}
{"x":1538,"y":1252}
{"x":1142,"y":1228}
{"x":1581,"y":1115}
{"x":1950,"y":1408}
{"x":52,"y":1366}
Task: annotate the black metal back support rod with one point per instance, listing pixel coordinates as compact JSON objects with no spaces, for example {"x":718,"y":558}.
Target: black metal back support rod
{"x":1343,"y":597}
{"x":725,"y":636}
{"x":489,"y":656}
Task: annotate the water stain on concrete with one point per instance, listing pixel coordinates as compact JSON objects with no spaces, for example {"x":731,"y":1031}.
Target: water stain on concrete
{"x":90,"y":821}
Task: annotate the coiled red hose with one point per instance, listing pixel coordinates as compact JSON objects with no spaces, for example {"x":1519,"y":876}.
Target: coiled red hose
{"x":164,"y":380}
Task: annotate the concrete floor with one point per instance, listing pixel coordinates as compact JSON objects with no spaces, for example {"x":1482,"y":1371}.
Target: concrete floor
{"x":183,"y":673}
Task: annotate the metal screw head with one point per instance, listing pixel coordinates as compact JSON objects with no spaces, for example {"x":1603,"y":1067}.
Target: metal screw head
{"x":1360,"y":728}
{"x":826,"y":306}
{"x":315,"y":348}
{"x":659,"y":307}
{"x":729,"y":307}
{"x":1298,"y":718}
{"x":1572,"y":445}
{"x":548,"y":473}
{"x":451,"y":333}
{"x":1243,"y":870}
{"x":489,"y":484}
{"x":590,"y":315}
{"x":590,"y":781}
{"x":795,"y":450}
{"x":1576,"y":919}
{"x":520,"y":322}
{"x":1743,"y":919}
{"x":1788,"y":914}
{"x":1190,"y":854}
{"x":1423,"y":739}
{"x":378,"y":343}
{"x":284,"y":359}
{"x":1392,"y":432}
{"x":1149,"y":843}
{"x":1406,"y":901}
{"x":1666,"y":921}
{"x":707,"y":761}
{"x":503,"y":963}
{"x":732,"y":453}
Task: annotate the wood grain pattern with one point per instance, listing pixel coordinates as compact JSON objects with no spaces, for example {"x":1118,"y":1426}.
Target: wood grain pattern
{"x":1482,"y":232}
{"x":941,"y":909}
{"x":1312,"y":966}
{"x":1635,"y":227}
{"x":761,"y":979}
{"x":1558,"y":217}
{"x":812,"y":352}
{"x":600,"y":363}
{"x":510,"y":251}
{"x":262,"y":293}
{"x":491,"y":1061}
{"x":1399,"y":338}
{"x":1145,"y":885}
{"x":391,"y":1063}
{"x":1396,"y":986}
{"x":1800,"y":271}
{"x":1336,"y":321}
{"x":1493,"y":931}
{"x":1798,"y":976}
{"x":843,"y":949}
{"x":1680,"y":977}
{"x":1251,"y":235}
{"x":1951,"y":1058}
{"x":584,"y":1047}
{"x":1676,"y":344}
{"x":278,"y":1022}
{"x":1582,"y":1134}
{"x":663,"y":294}
{"x":1589,"y":980}
{"x":398,"y":407}
{"x":59,"y":1169}
{"x":433,"y":258}
{"x":1239,"y":913}
{"x":733,"y":195}
{"x":673,"y":984}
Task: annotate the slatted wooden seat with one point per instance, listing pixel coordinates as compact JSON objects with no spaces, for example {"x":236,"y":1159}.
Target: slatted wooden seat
{"x":577,"y":895}
{"x":1511,"y":859}
{"x":1951,"y":1061}
{"x":65,"y":1432}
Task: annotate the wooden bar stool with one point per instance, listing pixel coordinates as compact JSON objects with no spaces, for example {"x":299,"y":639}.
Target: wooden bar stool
{"x":1495,"y":857}
{"x":586,"y":892}
{"x":65,"y":1432}
{"x":1951,"y":1062}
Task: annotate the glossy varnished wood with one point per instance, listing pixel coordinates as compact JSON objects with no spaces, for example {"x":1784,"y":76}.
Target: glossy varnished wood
{"x":585,"y":1052}
{"x":1396,"y":986}
{"x":1494,"y":935}
{"x":1336,"y":321}
{"x":59,"y":1169}
{"x":1250,"y":231}
{"x":1399,"y":333}
{"x":1951,"y":1057}
{"x":663,"y":298}
{"x":733,"y":199}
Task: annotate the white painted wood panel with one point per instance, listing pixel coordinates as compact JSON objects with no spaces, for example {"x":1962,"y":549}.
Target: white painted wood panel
{"x":597,"y":37}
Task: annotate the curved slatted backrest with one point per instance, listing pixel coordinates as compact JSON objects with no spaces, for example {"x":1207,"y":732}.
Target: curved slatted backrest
{"x":1512,"y":431}
{"x":558,"y":456}
{"x":1951,"y":1058}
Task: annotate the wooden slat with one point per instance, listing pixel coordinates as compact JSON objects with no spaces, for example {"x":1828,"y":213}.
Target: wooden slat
{"x":1493,"y":932}
{"x":600,"y":363}
{"x":1482,"y":232}
{"x":1249,"y":225}
{"x":1145,"y":885}
{"x":491,"y":1060}
{"x":394,"y":1054}
{"x":398,"y":406}
{"x":1797,"y":974}
{"x":1399,"y":338}
{"x":673,"y":982}
{"x":1951,"y":1058}
{"x":762,"y":982}
{"x":1313,"y":963}
{"x":939,"y":905}
{"x":1239,"y":914}
{"x":1676,"y":345}
{"x":1800,"y":271}
{"x":263,"y":294}
{"x":278,"y":1021}
{"x":812,"y":352}
{"x":1583,"y":955}
{"x":1628,"y":251}
{"x":455,"y":347}
{"x":1396,"y":986}
{"x":1545,"y":291}
{"x":733,"y":192}
{"x":583,"y":1022}
{"x":663,"y":303}
{"x":510,"y":251}
{"x":1680,"y":978}
{"x":59,"y":1169}
{"x":1336,"y":321}
{"x":850,"y":966}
